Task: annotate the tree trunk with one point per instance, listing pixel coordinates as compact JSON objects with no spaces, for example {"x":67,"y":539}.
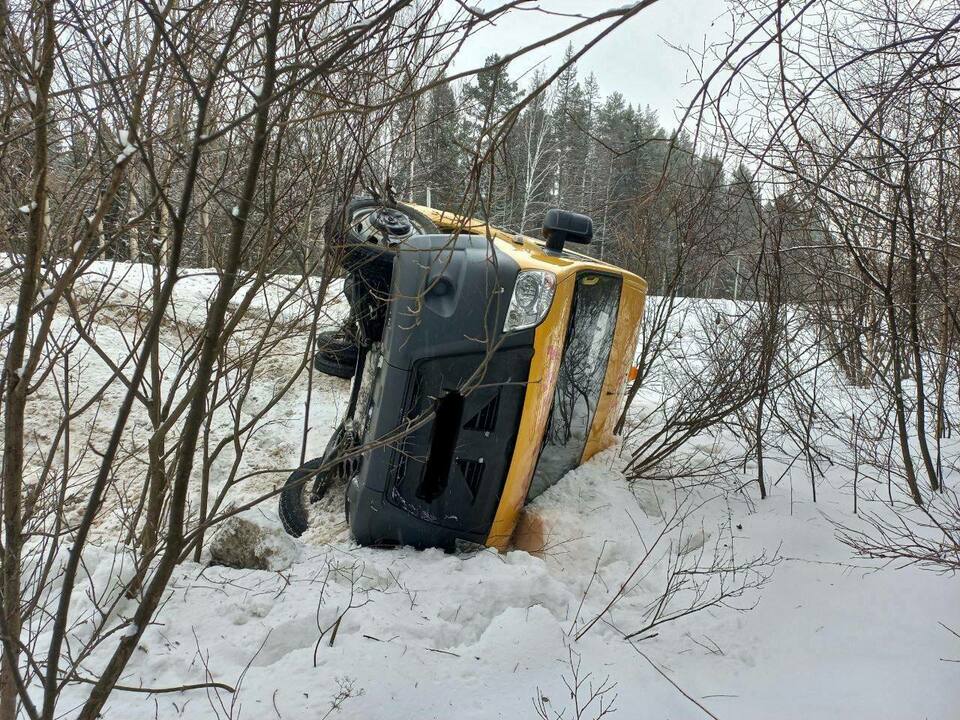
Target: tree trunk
{"x":15,"y":383}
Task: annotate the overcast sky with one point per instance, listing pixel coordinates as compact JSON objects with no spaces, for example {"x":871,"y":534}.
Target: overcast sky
{"x":636,"y":59}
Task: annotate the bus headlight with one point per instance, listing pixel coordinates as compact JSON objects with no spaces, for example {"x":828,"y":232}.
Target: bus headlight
{"x":532,"y":295}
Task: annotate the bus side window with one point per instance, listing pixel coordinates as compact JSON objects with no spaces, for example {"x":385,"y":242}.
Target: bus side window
{"x":593,"y":319}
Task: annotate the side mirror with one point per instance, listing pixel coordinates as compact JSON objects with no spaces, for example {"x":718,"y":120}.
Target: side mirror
{"x":559,"y":226}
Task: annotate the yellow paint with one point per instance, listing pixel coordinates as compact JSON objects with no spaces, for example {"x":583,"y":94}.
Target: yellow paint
{"x":547,"y":353}
{"x":548,"y":344}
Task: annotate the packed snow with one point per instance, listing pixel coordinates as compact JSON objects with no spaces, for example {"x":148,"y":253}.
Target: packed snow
{"x":369,"y":633}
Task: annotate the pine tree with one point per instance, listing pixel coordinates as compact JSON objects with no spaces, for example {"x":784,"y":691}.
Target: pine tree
{"x":612,"y":131}
{"x":487,"y":99}
{"x":485,"y":105}
{"x":588,"y":189}
{"x":569,"y":138}
{"x":439,"y":151}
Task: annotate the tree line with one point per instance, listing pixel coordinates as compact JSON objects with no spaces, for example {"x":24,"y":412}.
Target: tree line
{"x":646,"y":187}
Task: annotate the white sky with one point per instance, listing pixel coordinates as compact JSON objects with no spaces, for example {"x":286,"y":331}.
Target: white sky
{"x":636,"y":59}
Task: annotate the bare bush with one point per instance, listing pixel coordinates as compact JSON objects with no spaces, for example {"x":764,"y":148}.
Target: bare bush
{"x":928,"y":537}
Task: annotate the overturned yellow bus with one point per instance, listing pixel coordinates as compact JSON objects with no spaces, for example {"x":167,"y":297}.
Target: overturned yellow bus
{"x":485,"y":366}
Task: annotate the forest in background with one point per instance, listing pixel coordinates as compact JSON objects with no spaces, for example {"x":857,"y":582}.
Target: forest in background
{"x":573,"y":148}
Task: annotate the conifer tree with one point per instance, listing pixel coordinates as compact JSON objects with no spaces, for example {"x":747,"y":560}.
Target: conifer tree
{"x":440,"y":152}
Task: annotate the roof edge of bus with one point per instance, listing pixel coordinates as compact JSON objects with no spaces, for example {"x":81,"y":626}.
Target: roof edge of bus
{"x":448,"y":220}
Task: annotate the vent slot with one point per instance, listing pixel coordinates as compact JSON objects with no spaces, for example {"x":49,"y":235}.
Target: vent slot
{"x":414,"y":403}
{"x":401,"y":454}
{"x":446,"y":427}
{"x":472,"y":471}
{"x":486,"y":419}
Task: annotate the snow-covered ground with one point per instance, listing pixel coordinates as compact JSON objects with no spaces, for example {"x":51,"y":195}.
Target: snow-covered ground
{"x":480,"y":635}
{"x":816,"y":634}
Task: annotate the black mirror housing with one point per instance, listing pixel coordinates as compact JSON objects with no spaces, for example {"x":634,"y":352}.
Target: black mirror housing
{"x":559,"y":226}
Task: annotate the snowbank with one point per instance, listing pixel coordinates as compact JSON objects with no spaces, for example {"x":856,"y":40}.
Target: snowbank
{"x":324,"y":626}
